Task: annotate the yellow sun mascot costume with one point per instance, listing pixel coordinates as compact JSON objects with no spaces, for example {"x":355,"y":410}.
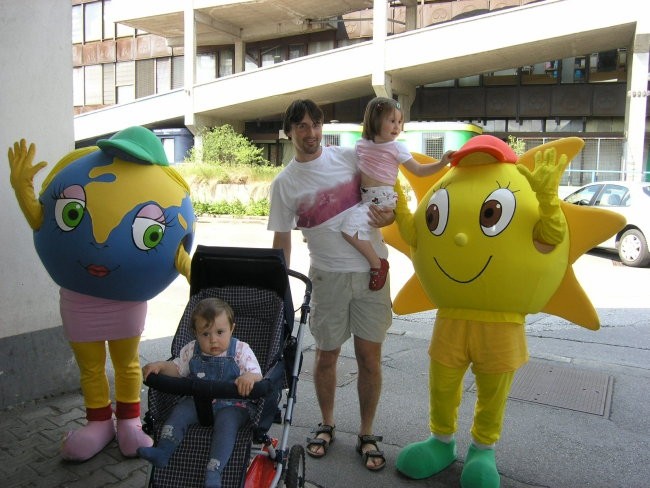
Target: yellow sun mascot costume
{"x":490,"y":242}
{"x":113,"y":227}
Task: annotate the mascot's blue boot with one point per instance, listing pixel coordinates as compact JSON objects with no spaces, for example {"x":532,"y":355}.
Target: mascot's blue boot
{"x":423,"y":459}
{"x":480,"y":470}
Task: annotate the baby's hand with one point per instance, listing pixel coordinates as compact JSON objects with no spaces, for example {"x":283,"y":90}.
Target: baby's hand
{"x":149,"y":368}
{"x":245,"y":383}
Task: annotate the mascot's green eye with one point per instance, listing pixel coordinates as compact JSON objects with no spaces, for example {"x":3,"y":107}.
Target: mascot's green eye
{"x":69,"y":213}
{"x":147,"y":233}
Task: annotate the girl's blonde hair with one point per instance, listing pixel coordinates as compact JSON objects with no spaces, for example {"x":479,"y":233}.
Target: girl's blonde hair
{"x":376,"y":110}
{"x":209,"y":309}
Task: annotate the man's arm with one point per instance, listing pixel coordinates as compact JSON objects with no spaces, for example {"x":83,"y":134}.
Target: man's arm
{"x":282,"y":240}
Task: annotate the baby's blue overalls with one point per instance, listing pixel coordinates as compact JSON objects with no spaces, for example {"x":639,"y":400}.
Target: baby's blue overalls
{"x":229,"y":415}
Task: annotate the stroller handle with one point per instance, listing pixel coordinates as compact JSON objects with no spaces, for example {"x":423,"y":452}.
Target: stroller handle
{"x":204,"y":389}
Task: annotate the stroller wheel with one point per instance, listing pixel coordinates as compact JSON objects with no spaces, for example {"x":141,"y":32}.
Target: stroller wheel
{"x":295,"y":475}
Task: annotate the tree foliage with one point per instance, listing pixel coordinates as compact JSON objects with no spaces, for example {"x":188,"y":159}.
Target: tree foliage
{"x":222,"y":146}
{"x":517,"y":145}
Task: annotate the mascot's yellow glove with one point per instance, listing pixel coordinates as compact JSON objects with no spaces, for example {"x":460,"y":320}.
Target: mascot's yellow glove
{"x":544,"y":181}
{"x":183,"y":262}
{"x":404,"y":217}
{"x":22,"y":181}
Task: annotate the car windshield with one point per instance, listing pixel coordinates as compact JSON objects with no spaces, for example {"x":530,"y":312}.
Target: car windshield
{"x":584,"y":196}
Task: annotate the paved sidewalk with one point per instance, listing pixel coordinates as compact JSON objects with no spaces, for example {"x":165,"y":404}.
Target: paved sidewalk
{"x":595,"y":433}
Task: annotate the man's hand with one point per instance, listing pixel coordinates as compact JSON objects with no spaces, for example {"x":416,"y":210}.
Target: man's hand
{"x":381,"y":216}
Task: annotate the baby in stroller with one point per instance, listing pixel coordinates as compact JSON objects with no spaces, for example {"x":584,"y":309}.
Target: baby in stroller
{"x":214,"y":355}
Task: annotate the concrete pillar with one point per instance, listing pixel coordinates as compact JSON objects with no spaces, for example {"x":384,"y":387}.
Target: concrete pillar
{"x":189,"y":67}
{"x":240,"y":56}
{"x":411,"y":14}
{"x":381,"y":83}
{"x":636,"y":102}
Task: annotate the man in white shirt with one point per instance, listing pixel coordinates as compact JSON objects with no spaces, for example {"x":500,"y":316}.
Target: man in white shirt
{"x":315,"y":191}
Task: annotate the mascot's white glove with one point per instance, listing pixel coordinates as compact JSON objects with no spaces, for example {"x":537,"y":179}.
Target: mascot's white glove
{"x":544,"y":181}
{"x":22,"y":181}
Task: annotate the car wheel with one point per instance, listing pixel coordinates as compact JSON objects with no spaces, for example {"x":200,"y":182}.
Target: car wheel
{"x":633,"y":249}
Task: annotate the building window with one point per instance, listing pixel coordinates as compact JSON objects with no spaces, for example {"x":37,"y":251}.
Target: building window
{"x":125,"y":81}
{"x":145,"y":79}
{"x":78,"y":86}
{"x":163,"y":75}
{"x":252,"y":60}
{"x":109,"y":83}
{"x":297,"y":51}
{"x":77,"y":24}
{"x":109,"y":25}
{"x":178,"y":73}
{"x":331,"y":139}
{"x":320,"y":46}
{"x":93,"y":21}
{"x":93,"y":89}
{"x":226,"y":62}
{"x":206,"y":67}
{"x":433,"y":144}
{"x":272,"y":56}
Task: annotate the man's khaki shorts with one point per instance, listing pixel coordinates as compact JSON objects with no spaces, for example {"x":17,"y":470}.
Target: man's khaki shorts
{"x":342,"y":305}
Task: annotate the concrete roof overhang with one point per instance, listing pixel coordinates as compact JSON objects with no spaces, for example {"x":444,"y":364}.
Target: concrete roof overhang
{"x":518,"y":36}
{"x":223,"y":22}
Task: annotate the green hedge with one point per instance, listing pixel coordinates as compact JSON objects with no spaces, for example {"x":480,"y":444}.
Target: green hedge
{"x":258,"y":208}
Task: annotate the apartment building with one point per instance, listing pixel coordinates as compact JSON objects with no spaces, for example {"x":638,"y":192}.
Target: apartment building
{"x":533,"y":69}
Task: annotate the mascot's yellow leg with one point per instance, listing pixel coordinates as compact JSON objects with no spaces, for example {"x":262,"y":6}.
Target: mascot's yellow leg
{"x":91,"y":359}
{"x":128,"y":375}
{"x":445,"y":394}
{"x":480,"y":469}
{"x":87,"y":441}
{"x":424,"y":459}
{"x":492,"y":393}
{"x":128,"y":378}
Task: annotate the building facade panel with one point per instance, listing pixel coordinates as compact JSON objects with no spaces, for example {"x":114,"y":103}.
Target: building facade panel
{"x":534,"y":101}
{"x":501,"y":102}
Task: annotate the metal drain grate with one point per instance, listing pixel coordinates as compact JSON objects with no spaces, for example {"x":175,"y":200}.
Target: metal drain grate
{"x":564,"y":387}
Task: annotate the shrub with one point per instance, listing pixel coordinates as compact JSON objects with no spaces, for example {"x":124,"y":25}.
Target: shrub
{"x":222,"y":146}
{"x":259,"y":208}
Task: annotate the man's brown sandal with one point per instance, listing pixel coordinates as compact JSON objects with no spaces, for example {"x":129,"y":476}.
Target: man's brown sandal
{"x":375,"y":453}
{"x":316,"y":441}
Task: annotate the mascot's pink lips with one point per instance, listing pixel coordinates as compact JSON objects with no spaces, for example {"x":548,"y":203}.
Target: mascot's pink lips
{"x":463,"y":281}
{"x":98,"y":270}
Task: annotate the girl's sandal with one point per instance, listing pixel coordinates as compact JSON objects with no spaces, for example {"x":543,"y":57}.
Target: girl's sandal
{"x":378,"y":275}
{"x":316,"y":441}
{"x":375,"y":453}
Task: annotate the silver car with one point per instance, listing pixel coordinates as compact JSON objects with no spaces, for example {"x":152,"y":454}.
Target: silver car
{"x":630,"y":199}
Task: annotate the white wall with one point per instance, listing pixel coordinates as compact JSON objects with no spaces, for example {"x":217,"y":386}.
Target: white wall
{"x":35,"y":104}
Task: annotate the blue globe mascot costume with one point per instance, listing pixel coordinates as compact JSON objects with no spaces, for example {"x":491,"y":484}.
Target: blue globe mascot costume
{"x":113,"y":226}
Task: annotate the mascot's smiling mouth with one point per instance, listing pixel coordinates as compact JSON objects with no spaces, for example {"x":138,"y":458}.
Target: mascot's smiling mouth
{"x":463,"y":281}
{"x":97,"y":270}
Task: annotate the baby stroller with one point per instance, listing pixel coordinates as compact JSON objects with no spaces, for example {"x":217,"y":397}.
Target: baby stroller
{"x":255,"y":282}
